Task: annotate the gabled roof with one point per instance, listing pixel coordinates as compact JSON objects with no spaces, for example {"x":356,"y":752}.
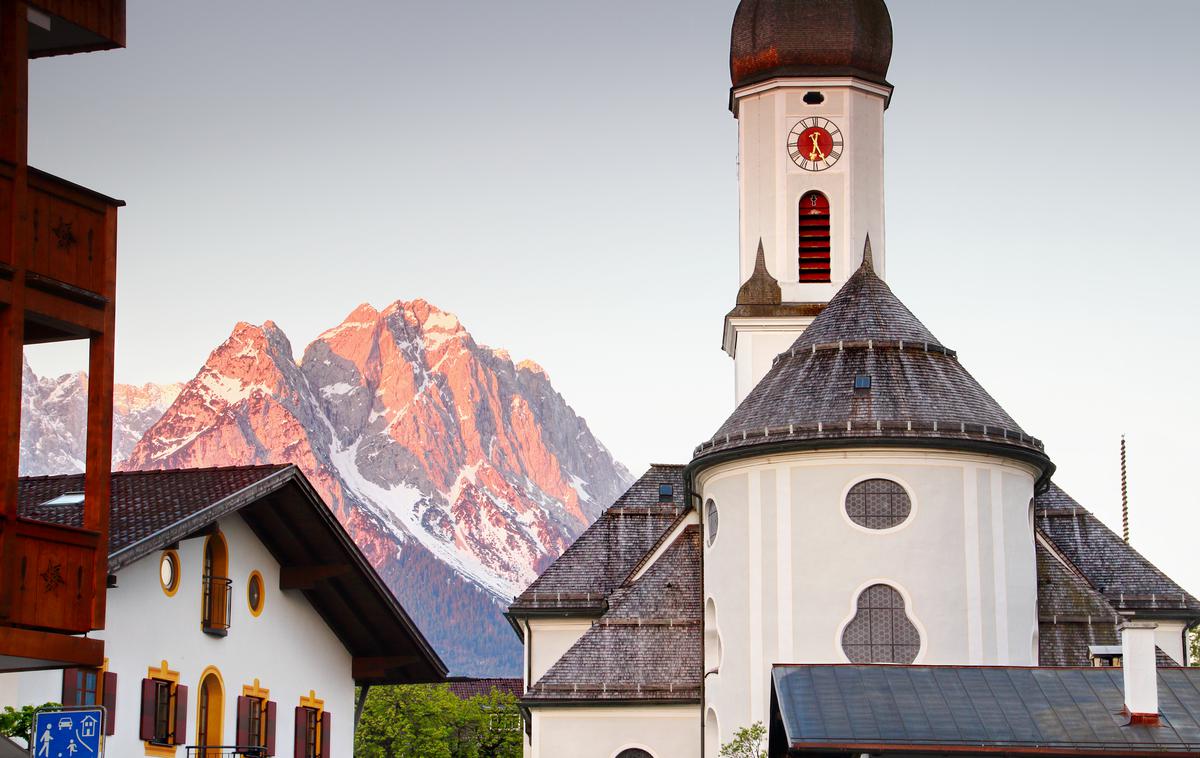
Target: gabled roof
{"x":647,"y":646}
{"x":582,"y":578}
{"x":877,"y":708}
{"x":1072,"y":615}
{"x":1128,"y":581}
{"x":151,"y":510}
{"x":919,"y":393}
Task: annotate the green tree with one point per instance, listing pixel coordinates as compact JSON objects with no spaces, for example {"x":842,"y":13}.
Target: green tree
{"x":430,"y":721}
{"x":746,"y":742}
{"x":1193,"y":655}
{"x":16,"y":722}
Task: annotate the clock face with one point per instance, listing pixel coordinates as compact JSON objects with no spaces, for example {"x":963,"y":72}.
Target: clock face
{"x":815,"y":143}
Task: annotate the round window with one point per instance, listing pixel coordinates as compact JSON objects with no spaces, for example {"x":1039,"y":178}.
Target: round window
{"x":878,"y":504}
{"x":168,"y":571}
{"x":254,"y":593}
{"x":711,"y":515}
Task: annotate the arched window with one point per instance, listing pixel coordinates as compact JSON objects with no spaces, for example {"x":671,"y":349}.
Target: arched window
{"x":878,"y":504}
{"x":815,"y":242}
{"x":712,"y":637}
{"x":210,"y":714}
{"x":880,"y":632}
{"x":634,"y":752}
{"x":216,"y":588}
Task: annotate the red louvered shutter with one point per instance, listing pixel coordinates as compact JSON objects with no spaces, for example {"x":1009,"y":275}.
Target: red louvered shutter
{"x":181,"y":704}
{"x":110,"y":703}
{"x":70,"y":692}
{"x":815,"y":240}
{"x":301,"y":729}
{"x":149,"y":691}
{"x":243,"y":720}
{"x":325,"y":732}
{"x":269,"y":728}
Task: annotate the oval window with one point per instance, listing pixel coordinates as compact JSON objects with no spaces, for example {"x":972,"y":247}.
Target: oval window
{"x":711,"y":515}
{"x":878,"y":504}
{"x":255,"y":593}
{"x":168,"y":571}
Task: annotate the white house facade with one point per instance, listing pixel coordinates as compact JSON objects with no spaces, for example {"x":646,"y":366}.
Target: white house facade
{"x":240,"y":615}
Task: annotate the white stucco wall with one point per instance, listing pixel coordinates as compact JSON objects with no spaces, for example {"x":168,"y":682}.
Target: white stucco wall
{"x":1169,"y":637}
{"x":787,"y":564}
{"x":288,"y":648}
{"x":547,"y":639}
{"x":664,"y":731}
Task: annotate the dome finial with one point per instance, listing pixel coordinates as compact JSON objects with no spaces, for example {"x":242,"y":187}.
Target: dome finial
{"x":868,"y":262}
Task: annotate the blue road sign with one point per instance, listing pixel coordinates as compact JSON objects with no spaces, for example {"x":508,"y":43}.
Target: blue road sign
{"x":75,"y":733}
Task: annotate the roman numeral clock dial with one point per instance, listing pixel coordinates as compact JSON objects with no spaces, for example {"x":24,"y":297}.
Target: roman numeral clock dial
{"x":815,"y":143}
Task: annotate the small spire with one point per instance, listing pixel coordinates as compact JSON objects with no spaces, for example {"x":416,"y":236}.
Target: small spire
{"x":761,"y":288}
{"x":868,"y":263}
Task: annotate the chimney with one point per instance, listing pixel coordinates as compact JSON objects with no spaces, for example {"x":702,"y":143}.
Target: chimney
{"x":1140,"y":665}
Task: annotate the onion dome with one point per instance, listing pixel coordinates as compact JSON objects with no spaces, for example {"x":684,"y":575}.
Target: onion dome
{"x":867,"y":373}
{"x":810,"y":38}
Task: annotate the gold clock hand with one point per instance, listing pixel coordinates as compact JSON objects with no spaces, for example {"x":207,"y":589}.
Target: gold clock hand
{"x":816,"y":147}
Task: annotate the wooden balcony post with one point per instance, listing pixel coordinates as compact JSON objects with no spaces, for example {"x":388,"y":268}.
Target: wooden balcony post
{"x":98,"y":472}
{"x":14,"y":87}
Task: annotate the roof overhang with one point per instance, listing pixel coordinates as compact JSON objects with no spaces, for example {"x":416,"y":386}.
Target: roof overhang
{"x":809,"y":80}
{"x":62,"y":27}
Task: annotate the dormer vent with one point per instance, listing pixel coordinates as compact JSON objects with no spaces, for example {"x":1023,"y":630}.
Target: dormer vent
{"x":66,"y":498}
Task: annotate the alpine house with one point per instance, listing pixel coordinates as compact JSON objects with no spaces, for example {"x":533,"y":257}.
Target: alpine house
{"x":870,"y":554}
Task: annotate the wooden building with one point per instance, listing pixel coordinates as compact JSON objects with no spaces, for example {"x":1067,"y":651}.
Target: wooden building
{"x":57,"y":283}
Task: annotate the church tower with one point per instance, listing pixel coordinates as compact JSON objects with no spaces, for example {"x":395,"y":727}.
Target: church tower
{"x":809,"y":92}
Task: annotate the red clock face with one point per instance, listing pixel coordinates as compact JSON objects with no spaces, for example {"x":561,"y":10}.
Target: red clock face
{"x":815,"y":144}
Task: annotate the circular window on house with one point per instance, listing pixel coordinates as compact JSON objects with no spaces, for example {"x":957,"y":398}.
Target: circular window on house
{"x":878,"y":504}
{"x":168,"y":572}
{"x":712,"y":517}
{"x":255,"y":593}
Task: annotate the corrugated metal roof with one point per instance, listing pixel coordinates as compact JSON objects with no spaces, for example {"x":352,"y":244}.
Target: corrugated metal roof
{"x":872,"y":707}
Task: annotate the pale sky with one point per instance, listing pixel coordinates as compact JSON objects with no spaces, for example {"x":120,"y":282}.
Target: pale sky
{"x":562,"y":176}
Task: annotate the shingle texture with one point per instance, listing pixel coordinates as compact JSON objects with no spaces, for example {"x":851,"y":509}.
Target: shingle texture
{"x":918,"y":389}
{"x":1021,"y":709}
{"x":647,"y":646}
{"x":143,"y":503}
{"x":774,"y":38}
{"x":1072,"y":615}
{"x":1123,"y":576}
{"x":469,"y":687}
{"x":595,"y":564}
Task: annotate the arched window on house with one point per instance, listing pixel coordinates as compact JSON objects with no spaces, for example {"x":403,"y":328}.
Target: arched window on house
{"x":815,"y":241}
{"x":634,"y":752}
{"x":880,"y":631}
{"x":217,"y":607}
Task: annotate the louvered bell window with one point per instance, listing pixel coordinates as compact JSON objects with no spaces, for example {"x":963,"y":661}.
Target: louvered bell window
{"x":814,"y":242}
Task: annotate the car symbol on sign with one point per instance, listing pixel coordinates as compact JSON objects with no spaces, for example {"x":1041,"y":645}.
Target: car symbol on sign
{"x":64,"y":723}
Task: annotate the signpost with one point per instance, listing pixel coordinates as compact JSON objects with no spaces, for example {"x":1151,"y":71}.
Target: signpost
{"x":68,"y":733}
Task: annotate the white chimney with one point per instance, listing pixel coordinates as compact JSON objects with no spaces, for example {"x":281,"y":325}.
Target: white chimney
{"x":1140,"y":664}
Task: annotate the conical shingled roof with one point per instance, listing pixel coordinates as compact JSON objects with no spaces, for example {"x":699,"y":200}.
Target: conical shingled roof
{"x":919,"y":393}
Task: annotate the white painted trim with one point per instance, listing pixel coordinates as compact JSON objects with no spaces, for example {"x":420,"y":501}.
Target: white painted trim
{"x":754,"y":570}
{"x":810,"y":83}
{"x":908,"y":490}
{"x":909,"y":612}
{"x":971,"y":561}
{"x":1000,"y":570}
{"x":633,"y":746}
{"x":690,"y":519}
{"x":857,"y":456}
{"x":783,"y":548}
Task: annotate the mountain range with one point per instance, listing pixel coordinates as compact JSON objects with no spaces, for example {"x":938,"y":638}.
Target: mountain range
{"x":460,"y":473}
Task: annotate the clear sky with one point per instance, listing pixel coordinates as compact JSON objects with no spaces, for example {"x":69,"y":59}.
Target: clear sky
{"x":562,"y":176}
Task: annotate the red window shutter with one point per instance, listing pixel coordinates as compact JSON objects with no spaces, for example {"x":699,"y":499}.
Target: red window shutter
{"x":269,"y":727}
{"x":243,"y":720}
{"x":149,"y":690}
{"x":325,"y":732}
{"x":181,"y":704}
{"x":815,"y":240}
{"x":70,"y":692}
{"x":110,"y":703}
{"x":301,"y":727}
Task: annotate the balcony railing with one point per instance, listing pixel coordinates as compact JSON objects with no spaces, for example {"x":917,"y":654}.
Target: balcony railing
{"x":218,"y":596}
{"x":225,"y":751}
